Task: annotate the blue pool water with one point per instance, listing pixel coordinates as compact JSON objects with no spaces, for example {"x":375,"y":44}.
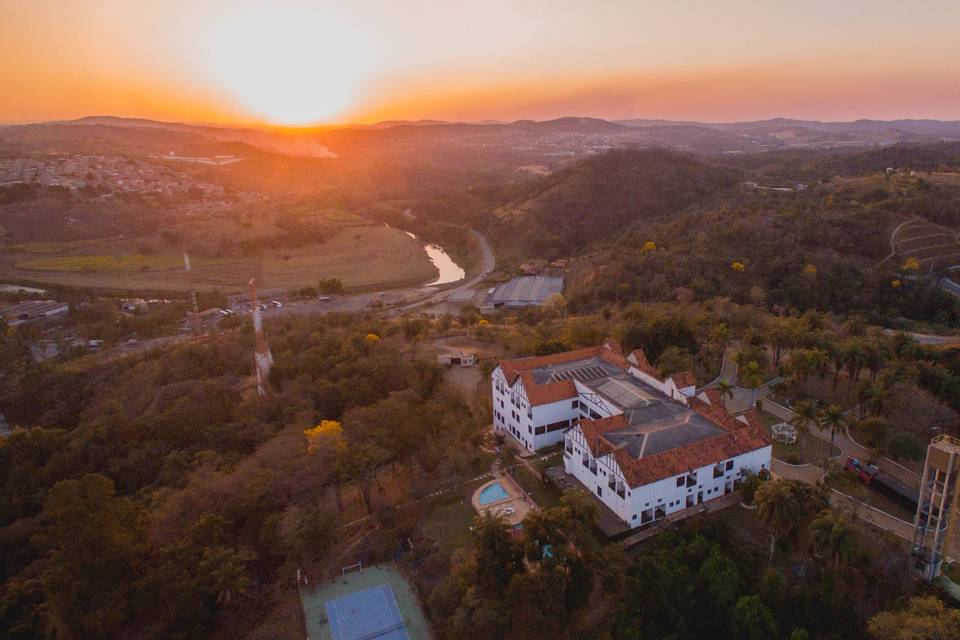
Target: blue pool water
{"x":493,"y":493}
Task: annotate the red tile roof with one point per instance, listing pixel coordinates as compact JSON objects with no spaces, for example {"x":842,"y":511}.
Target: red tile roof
{"x":539,"y":394}
{"x":684,"y":379}
{"x":739,"y":438}
{"x":593,"y":429}
{"x":714,"y":397}
{"x":672,"y":462}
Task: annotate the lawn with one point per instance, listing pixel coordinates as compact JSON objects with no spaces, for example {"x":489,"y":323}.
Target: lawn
{"x":846,"y":482}
{"x":448,"y":523}
{"x":544,"y":494}
{"x":363,"y":257}
{"x":114,"y":263}
{"x":807,"y":448}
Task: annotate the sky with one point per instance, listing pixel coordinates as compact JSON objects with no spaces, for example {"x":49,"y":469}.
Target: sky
{"x":297,"y":62}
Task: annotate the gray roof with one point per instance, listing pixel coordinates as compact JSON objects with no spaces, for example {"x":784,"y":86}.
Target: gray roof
{"x":526,"y":291}
{"x":655,"y":423}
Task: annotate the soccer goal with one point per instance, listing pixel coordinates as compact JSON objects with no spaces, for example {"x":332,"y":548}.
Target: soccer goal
{"x":351,"y":568}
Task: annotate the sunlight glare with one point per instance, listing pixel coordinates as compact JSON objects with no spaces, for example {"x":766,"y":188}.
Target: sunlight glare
{"x":288,"y":66}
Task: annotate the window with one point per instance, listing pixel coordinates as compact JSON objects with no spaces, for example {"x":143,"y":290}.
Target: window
{"x":529,"y":429}
{"x":540,"y":431}
{"x":729,"y":465}
{"x":576,"y":405}
{"x":718,"y":470}
{"x":680,"y":481}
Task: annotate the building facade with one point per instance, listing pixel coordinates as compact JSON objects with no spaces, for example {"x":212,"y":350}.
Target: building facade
{"x":645,"y":444}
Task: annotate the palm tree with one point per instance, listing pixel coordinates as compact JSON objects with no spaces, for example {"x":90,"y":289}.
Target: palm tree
{"x":876,"y":353}
{"x":873,"y":398}
{"x":752,"y":375}
{"x":725,"y":389}
{"x":852,"y":356}
{"x":778,"y":508}
{"x":832,"y":418}
{"x":804,"y":415}
{"x":226,"y":575}
{"x":720,"y":338}
{"x":832,"y":537}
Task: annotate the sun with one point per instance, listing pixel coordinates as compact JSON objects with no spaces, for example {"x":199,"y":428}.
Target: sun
{"x":288,"y":65}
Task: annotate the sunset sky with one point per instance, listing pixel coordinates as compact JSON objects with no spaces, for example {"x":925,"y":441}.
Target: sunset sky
{"x":367,"y":60}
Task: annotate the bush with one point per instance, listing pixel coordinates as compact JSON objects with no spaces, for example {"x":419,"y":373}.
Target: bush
{"x":749,"y":486}
{"x":906,"y":446}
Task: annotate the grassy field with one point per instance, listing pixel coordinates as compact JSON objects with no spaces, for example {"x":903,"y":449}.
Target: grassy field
{"x":362,"y":256}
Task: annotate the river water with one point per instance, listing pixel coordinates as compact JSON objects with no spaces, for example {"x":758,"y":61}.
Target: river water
{"x":450,"y":271}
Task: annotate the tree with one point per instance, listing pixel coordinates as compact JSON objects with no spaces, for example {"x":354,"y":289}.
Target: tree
{"x":499,"y":558}
{"x":925,"y":618}
{"x":98,"y":551}
{"x":327,"y":444}
{"x":832,"y":537}
{"x":778,"y":508}
{"x":226,"y":574}
{"x":751,"y":620}
{"x":720,"y":339}
{"x":804,"y":415}
{"x":873,"y":398}
{"x":832,"y":418}
{"x":330,"y":286}
{"x":851,"y":356}
{"x":804,"y":363}
{"x":753,"y":377}
{"x":718,"y":588}
{"x":673,"y":360}
{"x":725,"y":389}
{"x":555,"y":306}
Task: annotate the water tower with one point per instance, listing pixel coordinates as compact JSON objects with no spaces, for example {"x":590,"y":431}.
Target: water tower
{"x":935,"y":531}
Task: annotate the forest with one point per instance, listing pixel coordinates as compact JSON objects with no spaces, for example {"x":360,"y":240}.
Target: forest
{"x":157,"y":496}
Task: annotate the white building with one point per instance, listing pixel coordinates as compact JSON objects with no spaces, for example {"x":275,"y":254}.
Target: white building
{"x":643,"y":443}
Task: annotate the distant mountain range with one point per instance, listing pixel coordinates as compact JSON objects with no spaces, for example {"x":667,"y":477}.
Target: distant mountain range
{"x":545,"y":142}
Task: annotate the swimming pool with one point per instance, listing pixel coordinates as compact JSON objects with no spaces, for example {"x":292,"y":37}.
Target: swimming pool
{"x":492,"y":493}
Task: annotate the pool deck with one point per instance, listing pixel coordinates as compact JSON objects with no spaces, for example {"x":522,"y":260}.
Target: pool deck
{"x":513,"y":508}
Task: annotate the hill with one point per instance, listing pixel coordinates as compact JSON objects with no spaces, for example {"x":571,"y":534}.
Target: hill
{"x":565,"y":212}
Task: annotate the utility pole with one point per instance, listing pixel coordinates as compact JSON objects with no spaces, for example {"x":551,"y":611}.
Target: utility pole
{"x":193,"y":294}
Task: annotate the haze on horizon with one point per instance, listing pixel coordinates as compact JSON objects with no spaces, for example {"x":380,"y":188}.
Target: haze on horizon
{"x":303,"y":62}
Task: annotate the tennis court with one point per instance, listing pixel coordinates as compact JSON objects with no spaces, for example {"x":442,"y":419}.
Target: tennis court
{"x":375,"y":603}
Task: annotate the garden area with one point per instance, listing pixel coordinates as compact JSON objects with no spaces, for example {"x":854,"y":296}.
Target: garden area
{"x":848,"y":483}
{"x":807,"y":448}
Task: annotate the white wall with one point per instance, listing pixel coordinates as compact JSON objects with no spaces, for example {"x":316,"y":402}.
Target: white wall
{"x":663,"y":494}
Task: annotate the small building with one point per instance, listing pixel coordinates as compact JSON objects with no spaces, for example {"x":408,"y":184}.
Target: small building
{"x":520,"y":293}
{"x":461,"y":359}
{"x":20,"y":312}
{"x":644,"y":444}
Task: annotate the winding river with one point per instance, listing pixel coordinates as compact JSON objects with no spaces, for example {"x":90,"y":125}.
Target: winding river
{"x":449,"y":270}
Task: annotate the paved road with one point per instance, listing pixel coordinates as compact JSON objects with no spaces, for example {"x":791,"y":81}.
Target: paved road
{"x":926,"y":338}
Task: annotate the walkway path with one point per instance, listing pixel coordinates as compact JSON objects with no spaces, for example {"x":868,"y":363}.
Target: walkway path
{"x":849,"y":447}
